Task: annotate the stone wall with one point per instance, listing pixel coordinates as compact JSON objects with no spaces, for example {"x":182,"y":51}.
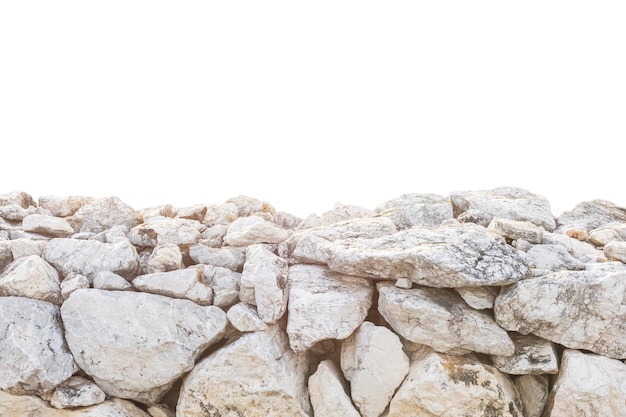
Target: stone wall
{"x":480,"y":303}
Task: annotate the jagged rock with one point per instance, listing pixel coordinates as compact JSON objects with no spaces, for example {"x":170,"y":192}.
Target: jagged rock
{"x":552,"y":258}
{"x":224,"y":283}
{"x":160,"y":410}
{"x":77,"y":392}
{"x":122,"y":339}
{"x":452,"y":386}
{"x":47,"y":225}
{"x":73,"y":282}
{"x":582,"y":251}
{"x":164,"y":258}
{"x":184,"y":283}
{"x":88,"y":257}
{"x":454,"y":255}
{"x":15,"y":213}
{"x":373,"y":361}
{"x":324,"y":305}
{"x":222,"y":214}
{"x":505,"y":203}
{"x":195,"y":212}
{"x":342,"y":212}
{"x":475,"y":216}
{"x":166,"y":210}
{"x":226,"y":383}
{"x":515,"y":229}
{"x":231,"y":258}
{"x":593,"y":214}
{"x":533,"y":355}
{"x":247,"y":206}
{"x":615,"y":251}
{"x":64,"y":206}
{"x":18,"y":198}
{"x":421,"y":210}
{"x":588,"y":385}
{"x":34,"y":357}
{"x":287,"y":220}
{"x":405,"y":283}
{"x":479,"y":298}
{"x":21,"y":248}
{"x":251,"y":230}
{"x":418,"y":314}
{"x":328,"y":392}
{"x":578,"y":309}
{"x":106,"y":280}
{"x":264,"y":283}
{"x":245,"y":318}
{"x":31,"y":277}
{"x":533,"y":392}
{"x":213,"y":236}
{"x":159,"y":231}
{"x":6,"y":254}
{"x":102,"y":214}
{"x":608,"y":233}
{"x":113,"y":235}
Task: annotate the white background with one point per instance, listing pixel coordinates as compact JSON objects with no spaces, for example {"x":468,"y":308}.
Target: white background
{"x":305,"y":104}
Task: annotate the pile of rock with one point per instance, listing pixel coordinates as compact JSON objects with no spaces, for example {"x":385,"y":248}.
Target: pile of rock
{"x":479,"y":303}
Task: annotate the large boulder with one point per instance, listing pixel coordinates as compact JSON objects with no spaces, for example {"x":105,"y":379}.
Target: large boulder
{"x":31,"y":277}
{"x":103,"y":214}
{"x":47,"y":225}
{"x":421,"y":210}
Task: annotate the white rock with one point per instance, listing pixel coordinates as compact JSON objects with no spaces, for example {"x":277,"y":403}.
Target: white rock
{"x":166,"y":210}
{"x":160,"y":410}
{"x":135,"y":345}
{"x":533,"y":355}
{"x":225,"y":383}
{"x":533,"y":392}
{"x":588,"y":385}
{"x":113,"y":235}
{"x":164,"y":258}
{"x":553,"y":258}
{"x":247,"y":206}
{"x":405,"y":283}
{"x":324,"y":305}
{"x":102,"y":214}
{"x":521,"y":244}
{"x":223,"y":214}
{"x":73,"y":282}
{"x":184,"y":283}
{"x":343,"y":212}
{"x":231,"y":258}
{"x":47,"y":225}
{"x":479,"y":298}
{"x":77,"y":392}
{"x":34,"y":357}
{"x":287,"y":220}
{"x":15,"y":213}
{"x":578,"y":309}
{"x":593,"y":214}
{"x":373,"y":361}
{"x":422,"y":210}
{"x":264,"y":283}
{"x":21,"y":248}
{"x":6,"y":255}
{"x":64,"y":206}
{"x":159,"y":231}
{"x":515,"y":229}
{"x":88,"y":257}
{"x":213,"y":236}
{"x":18,"y":198}
{"x":615,"y":251}
{"x":106,"y":280}
{"x":418,"y":314}
{"x":582,"y":251}
{"x":224,"y":283}
{"x":245,"y":318}
{"x":195,"y":212}
{"x":251,"y":230}
{"x":452,"y":386}
{"x":608,"y":233}
{"x":31,"y":277}
{"x":328,"y":392}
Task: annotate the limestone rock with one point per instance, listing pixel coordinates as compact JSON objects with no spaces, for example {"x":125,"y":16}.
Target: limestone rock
{"x":608,"y":233}
{"x":478,"y":298}
{"x":88,"y":257}
{"x":247,"y":206}
{"x":31,"y":277}
{"x":505,"y":203}
{"x":418,"y":314}
{"x":64,"y":206}
{"x":106,"y":280}
{"x":6,"y":254}
{"x":213,"y":236}
{"x":18,"y":198}
{"x":195,"y":212}
{"x":588,"y":385}
{"x":224,"y":283}
{"x":165,"y":210}
{"x":264,"y":283}
{"x":159,"y":231}
{"x":73,"y":282}
{"x":324,"y":305}
{"x":184,"y":283}
{"x":582,"y":251}
{"x":455,"y":255}
{"x":113,"y":235}
{"x":533,"y":392}
{"x":231,"y":258}
{"x":328,"y":392}
{"x":615,"y":251}
{"x":343,"y":212}
{"x":21,"y":248}
{"x":451,"y":386}
{"x":515,"y":229}
{"x":421,"y":210}
{"x":102,"y":214}
{"x":47,"y":225}
{"x":222,"y":214}
{"x":160,"y":410}
{"x":255,"y":376}
{"x":164,"y":258}
{"x":373,"y":361}
{"x":533,"y":355}
{"x":247,"y":231}
{"x":405,"y":283}
{"x":593,"y":214}
{"x":34,"y":357}
{"x":122,"y":339}
{"x":578,"y":309}
{"x":552,"y":258}
{"x":77,"y":392}
{"x":245,"y":318}
{"x":287,"y":220}
{"x":15,"y":213}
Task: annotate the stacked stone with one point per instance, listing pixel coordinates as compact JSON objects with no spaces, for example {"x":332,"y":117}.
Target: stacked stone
{"x":479,"y":303}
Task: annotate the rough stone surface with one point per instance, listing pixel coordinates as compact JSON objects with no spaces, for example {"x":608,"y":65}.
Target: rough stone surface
{"x":479,"y":298}
{"x":533,"y":355}
{"x":533,"y":392}
{"x":418,"y":314}
{"x":247,"y":206}
{"x":327,"y":390}
{"x":72,"y":283}
{"x":31,"y":277}
{"x":21,"y":248}
{"x":515,"y":229}
{"x":255,"y":376}
{"x":593,"y":214}
{"x":245,"y":318}
{"x":106,"y":280}
{"x":47,"y":225}
{"x":102,"y":214}
{"x":615,"y":251}
{"x":421,"y":210}
{"x":15,"y":213}
{"x":251,"y":230}
{"x":578,"y":309}
{"x":160,"y":231}
{"x":552,"y":258}
{"x":184,"y":283}
{"x":6,"y":255}
{"x":324,"y":305}
{"x":121,"y":339}
{"x":608,"y":233}
{"x":18,"y":198}
{"x":223,"y":214}
{"x":64,"y":206}
{"x":224,"y":283}
{"x":34,"y":357}
{"x":582,"y":251}
{"x":164,"y":258}
{"x":77,"y":392}
{"x":231,"y":258}
{"x":342,"y":212}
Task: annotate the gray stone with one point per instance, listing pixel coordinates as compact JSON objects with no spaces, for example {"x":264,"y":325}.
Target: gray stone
{"x":533,"y":392}
{"x":231,"y":258}
{"x":184,"y":283}
{"x":515,"y":229}
{"x":244,"y":318}
{"x":102,"y":214}
{"x":533,"y":355}
{"x":47,"y":225}
{"x":328,"y":392}
{"x":106,"y":280}
{"x":160,"y":231}
{"x":593,"y":214}
{"x":15,"y":213}
{"x":77,"y":392}
{"x":251,"y":230}
{"x":6,"y":254}
{"x":31,"y":277}
{"x":421,"y":210}
{"x":582,"y":251}
{"x":552,"y":258}
{"x":64,"y":206}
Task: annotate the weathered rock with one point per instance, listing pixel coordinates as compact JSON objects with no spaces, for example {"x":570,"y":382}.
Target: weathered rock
{"x":582,"y":251}
{"x":533,"y":355}
{"x":593,"y":214}
{"x":247,"y":231}
{"x":475,"y":216}
{"x":264,"y":283}
{"x":223,"y":214}
{"x":247,"y":206}
{"x":34,"y":357}
{"x":73,"y":282}
{"x":552,"y":258}
{"x":324,"y":305}
{"x":160,"y":410}
{"x":123,"y":338}
{"x":224,"y":283}
{"x":213,"y":236}
{"x":164,"y":258}
{"x":451,"y":386}
{"x":287,"y":220}
{"x":505,"y":203}
{"x":421,"y":210}
{"x":454,"y":255}
{"x":533,"y":392}
{"x":405,"y":283}
{"x":166,"y":210}
{"x":15,"y":213}
{"x":18,"y":198}
{"x":21,"y":248}
{"x":31,"y":277}
{"x":328,"y":392}
{"x":515,"y":229}
{"x":88,"y":257}
{"x":113,"y":235}
{"x":102,"y":214}
{"x":195,"y":212}
{"x":255,"y":376}
{"x":418,"y":314}
{"x":184,"y":283}
{"x":231,"y":258}
{"x":615,"y":251}
{"x":160,"y":231}
{"x":47,"y":225}
{"x":106,"y":280}
{"x":245,"y":318}
{"x":479,"y":298}
{"x":578,"y":309}
{"x":77,"y":392}
{"x":373,"y":361}
{"x":64,"y":206}
{"x":588,"y":385}
{"x":6,"y":255}
{"x":342,"y":212}
{"x":608,"y":233}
